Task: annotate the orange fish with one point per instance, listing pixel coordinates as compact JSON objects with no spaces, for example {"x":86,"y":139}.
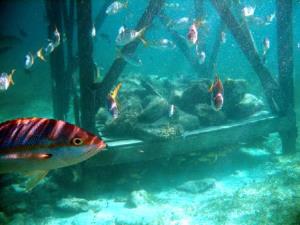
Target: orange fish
{"x":113,"y":106}
{"x":217,"y":91}
{"x":36,"y":145}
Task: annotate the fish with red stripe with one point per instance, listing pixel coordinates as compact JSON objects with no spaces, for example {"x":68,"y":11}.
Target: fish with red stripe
{"x":36,"y":145}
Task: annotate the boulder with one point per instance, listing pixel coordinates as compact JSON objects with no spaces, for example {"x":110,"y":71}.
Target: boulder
{"x":248,"y":106}
{"x":208,"y":116}
{"x":234,"y":91}
{"x":197,"y":186}
{"x":185,"y":120}
{"x":195,"y":94}
{"x":156,"y":109}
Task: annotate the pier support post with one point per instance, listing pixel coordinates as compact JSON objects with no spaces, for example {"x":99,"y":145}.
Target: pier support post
{"x":286,"y":69}
{"x":86,"y":64}
{"x":60,"y":94}
{"x":102,"y":14}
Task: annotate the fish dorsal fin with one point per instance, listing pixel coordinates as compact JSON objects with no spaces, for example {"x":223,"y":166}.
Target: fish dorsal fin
{"x":35,"y":178}
{"x":116,"y":91}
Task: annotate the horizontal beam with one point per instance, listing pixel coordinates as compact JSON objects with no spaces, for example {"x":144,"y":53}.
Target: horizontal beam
{"x":126,"y":151}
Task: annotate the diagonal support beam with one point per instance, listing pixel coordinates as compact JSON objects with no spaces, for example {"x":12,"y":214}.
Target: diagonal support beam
{"x":182,"y":44}
{"x":119,"y":64}
{"x":243,"y":37}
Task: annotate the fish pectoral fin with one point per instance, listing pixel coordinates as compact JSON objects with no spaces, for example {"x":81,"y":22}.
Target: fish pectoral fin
{"x":211,"y":88}
{"x":35,"y":178}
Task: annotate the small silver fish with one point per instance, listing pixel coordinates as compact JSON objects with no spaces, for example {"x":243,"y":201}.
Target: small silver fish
{"x":93,"y":32}
{"x":172,"y":5}
{"x":248,"y":11}
{"x":56,"y":41}
{"x":179,"y":24}
{"x":49,"y":49}
{"x":115,"y":7}
{"x":6,"y":80}
{"x":125,"y":36}
{"x":202,"y":57}
{"x":266,"y":45}
{"x":172,"y":110}
{"x":163,"y":44}
{"x":223,"y":37}
{"x":29,"y":61}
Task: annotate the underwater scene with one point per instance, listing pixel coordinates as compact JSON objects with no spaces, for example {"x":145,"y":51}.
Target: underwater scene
{"x":149,"y":112}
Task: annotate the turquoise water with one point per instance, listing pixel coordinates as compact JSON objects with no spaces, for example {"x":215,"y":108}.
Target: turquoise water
{"x":159,"y":168}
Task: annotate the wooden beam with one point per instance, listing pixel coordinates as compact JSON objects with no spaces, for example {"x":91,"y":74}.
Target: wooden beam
{"x":214,"y":54}
{"x":101,"y":16}
{"x":86,"y":64}
{"x":181,"y":43}
{"x":126,"y":151}
{"x":119,"y":64}
{"x":200,"y":16}
{"x":284,"y":17}
{"x":244,"y":38}
{"x":57,"y":62}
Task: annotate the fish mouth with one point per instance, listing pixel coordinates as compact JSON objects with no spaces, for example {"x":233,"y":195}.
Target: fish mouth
{"x":101,"y":145}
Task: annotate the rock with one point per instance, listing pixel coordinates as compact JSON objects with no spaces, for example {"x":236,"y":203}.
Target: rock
{"x":249,"y":105}
{"x":156,"y":109}
{"x":73,"y":205}
{"x":138,"y":198}
{"x":208,"y":116}
{"x":185,"y":120}
{"x":132,"y":105}
{"x":197,"y":186}
{"x":234,"y":91}
{"x":102,"y":116}
{"x":195,"y":94}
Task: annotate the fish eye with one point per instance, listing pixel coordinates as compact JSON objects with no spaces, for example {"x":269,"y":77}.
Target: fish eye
{"x":77,"y":141}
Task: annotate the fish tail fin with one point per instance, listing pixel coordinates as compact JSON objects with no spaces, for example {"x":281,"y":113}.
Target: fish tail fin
{"x":10,"y":77}
{"x":200,"y":22}
{"x":40,"y":55}
{"x":126,"y":4}
{"x":141,"y":33}
{"x":145,"y":43}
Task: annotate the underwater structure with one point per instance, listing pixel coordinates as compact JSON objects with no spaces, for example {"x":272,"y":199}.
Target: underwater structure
{"x":279,"y":92}
{"x":199,"y":132}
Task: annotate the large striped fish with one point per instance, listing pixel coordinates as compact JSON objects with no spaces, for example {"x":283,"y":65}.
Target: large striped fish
{"x":35,"y":146}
